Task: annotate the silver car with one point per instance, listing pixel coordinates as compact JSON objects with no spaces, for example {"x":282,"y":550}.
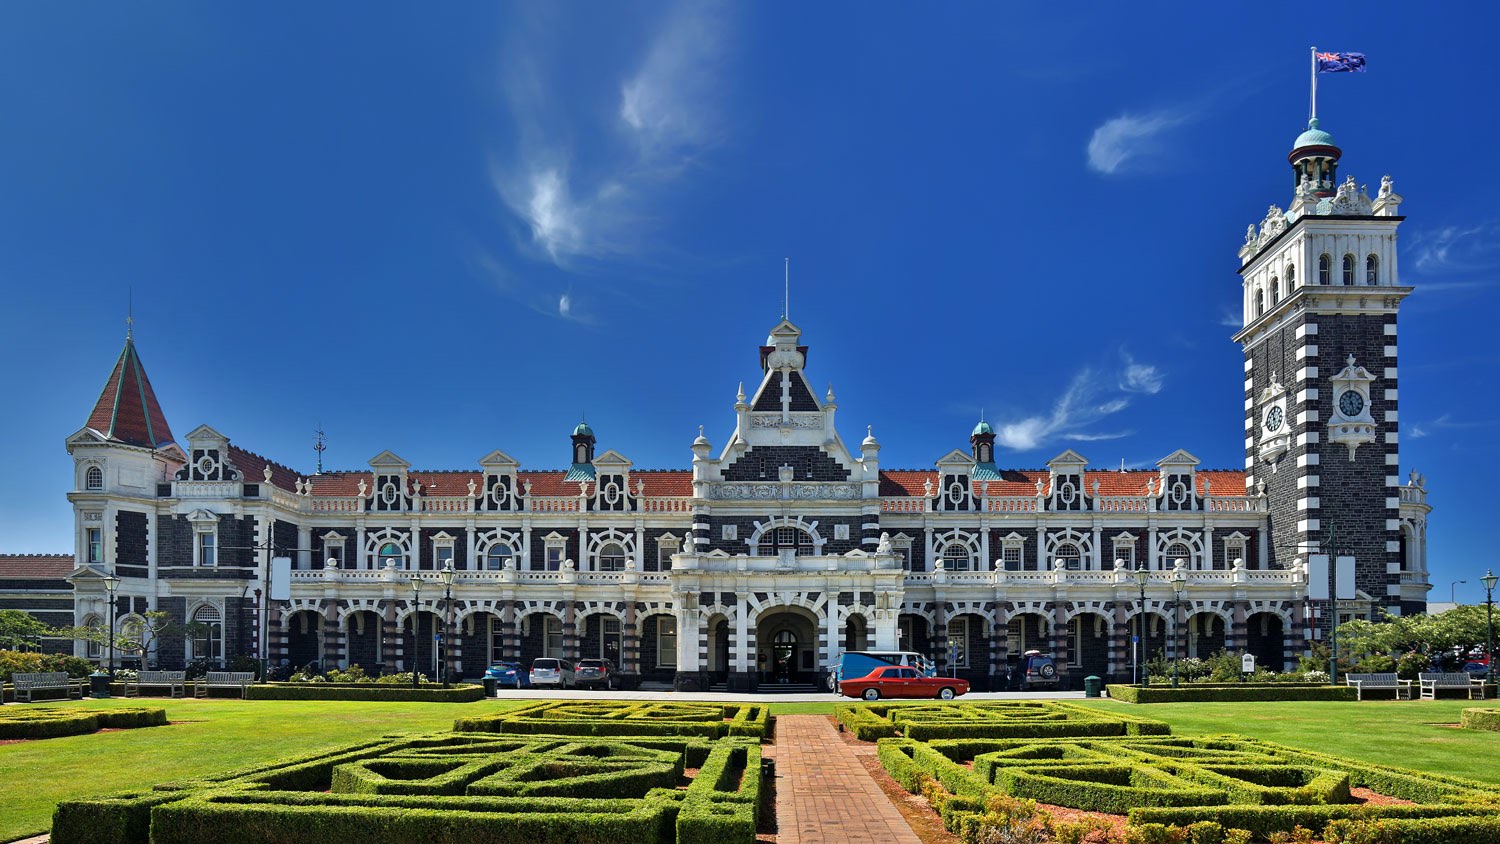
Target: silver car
{"x":547,"y":671}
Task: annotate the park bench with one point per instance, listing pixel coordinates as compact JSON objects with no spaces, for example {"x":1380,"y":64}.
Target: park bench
{"x":50,"y":681}
{"x":241,"y":680}
{"x":1382,"y":682}
{"x":1432,"y":683}
{"x":174,"y":681}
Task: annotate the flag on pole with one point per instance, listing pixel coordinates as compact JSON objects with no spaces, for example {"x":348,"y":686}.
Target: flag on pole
{"x":1341,"y":62}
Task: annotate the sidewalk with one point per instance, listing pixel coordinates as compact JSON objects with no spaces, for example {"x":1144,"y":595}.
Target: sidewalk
{"x":824,"y":794}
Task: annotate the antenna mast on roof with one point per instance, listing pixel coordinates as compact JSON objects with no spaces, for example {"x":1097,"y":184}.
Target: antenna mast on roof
{"x":786,"y":296}
{"x":129,"y":312}
{"x":319,"y":447}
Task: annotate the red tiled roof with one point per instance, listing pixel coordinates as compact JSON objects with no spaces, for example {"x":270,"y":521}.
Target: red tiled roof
{"x":252,"y":466}
{"x":658,"y":482}
{"x":127,"y":410}
{"x":35,"y":566}
{"x":908,"y":482}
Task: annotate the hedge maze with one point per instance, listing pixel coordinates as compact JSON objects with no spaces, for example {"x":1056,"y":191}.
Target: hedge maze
{"x":54,"y":721}
{"x":1478,"y":718}
{"x":1018,"y":719}
{"x":562,"y":717}
{"x":1232,"y":781}
{"x":457,"y":787}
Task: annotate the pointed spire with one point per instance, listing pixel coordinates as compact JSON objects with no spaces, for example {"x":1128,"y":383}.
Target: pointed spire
{"x":127,"y":410}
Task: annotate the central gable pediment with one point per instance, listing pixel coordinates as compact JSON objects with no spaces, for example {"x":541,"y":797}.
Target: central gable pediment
{"x":388,"y":460}
{"x":498,"y":459}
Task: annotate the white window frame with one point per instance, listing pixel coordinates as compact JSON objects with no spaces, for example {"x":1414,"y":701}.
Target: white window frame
{"x":666,"y":629}
{"x":955,"y":563}
{"x":1074,"y":563}
{"x":441,"y":544}
{"x":616,"y":562}
{"x":1075,"y":657}
{"x":961,"y":653}
{"x":552,"y":626}
{"x":1013,"y":545}
{"x":606,"y":634}
{"x":1123,"y":547}
{"x":88,"y":478}
{"x":901,"y":547}
{"x":93,"y":539}
{"x":666,"y":545}
{"x":93,"y":649}
{"x":381,"y":557}
{"x":334,"y":540}
{"x":556,"y":551}
{"x":1236,"y":546}
{"x":213,"y":639}
{"x":206,"y":548}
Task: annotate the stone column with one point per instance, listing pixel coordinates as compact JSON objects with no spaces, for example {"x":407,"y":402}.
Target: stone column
{"x":390,"y":639}
{"x":570,"y":631}
{"x":1119,"y":642}
{"x":830,"y":631}
{"x":333,"y":637}
{"x":510,"y":640}
{"x":630,"y":641}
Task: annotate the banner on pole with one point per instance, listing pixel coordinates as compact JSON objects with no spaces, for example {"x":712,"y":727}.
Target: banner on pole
{"x":1317,"y":577}
{"x":281,"y":578}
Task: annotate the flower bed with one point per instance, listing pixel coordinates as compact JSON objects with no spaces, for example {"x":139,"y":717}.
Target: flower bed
{"x":1229,"y":782}
{"x":1028,"y":719}
{"x":51,"y":721}
{"x":563,"y":717}
{"x":430,"y":692}
{"x":1228,"y":692}
{"x":1481,"y":719}
{"x":451,"y":787}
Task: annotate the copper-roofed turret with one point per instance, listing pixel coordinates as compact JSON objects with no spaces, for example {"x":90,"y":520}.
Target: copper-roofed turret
{"x":127,"y":411}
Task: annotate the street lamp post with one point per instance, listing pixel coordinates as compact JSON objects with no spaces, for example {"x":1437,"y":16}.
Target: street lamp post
{"x":1489,"y":580}
{"x":1179,"y":586}
{"x":447,"y":574}
{"x":1453,"y":591}
{"x":1142,"y":678}
{"x":111,"y":583}
{"x":416,"y":624}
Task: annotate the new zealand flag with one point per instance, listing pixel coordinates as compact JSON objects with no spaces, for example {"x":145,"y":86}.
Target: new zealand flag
{"x":1341,"y":62}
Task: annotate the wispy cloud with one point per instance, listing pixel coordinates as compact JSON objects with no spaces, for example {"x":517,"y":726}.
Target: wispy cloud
{"x":1457,"y":249}
{"x":1417,"y":432}
{"x":1131,"y":142}
{"x":595,"y":200}
{"x":1230,"y":318}
{"x":1092,"y":396}
{"x":1447,"y":423}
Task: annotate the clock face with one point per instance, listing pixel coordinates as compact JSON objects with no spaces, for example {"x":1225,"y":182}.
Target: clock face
{"x":1274,"y":418}
{"x":1351,"y":403}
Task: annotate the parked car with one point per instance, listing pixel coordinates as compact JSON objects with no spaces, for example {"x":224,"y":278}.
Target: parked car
{"x":547,"y":671}
{"x":1034,"y":669}
{"x":1477,"y":670}
{"x":594,"y":674}
{"x":859,"y":663}
{"x":507,"y":674}
{"x":902,"y":681}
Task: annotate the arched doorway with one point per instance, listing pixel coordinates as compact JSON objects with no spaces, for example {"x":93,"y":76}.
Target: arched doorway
{"x":1266,"y":638}
{"x":787,"y":641}
{"x":304,"y":640}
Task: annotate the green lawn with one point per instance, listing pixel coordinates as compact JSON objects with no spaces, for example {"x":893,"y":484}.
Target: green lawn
{"x":214,"y":735}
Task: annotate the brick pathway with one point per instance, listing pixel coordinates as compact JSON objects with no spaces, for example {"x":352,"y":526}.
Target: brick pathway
{"x":824,"y":794}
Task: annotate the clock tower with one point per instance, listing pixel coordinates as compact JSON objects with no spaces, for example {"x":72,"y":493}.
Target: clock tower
{"x":1321,"y":294}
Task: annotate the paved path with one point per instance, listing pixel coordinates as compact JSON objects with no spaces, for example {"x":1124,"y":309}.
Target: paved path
{"x":824,"y":794}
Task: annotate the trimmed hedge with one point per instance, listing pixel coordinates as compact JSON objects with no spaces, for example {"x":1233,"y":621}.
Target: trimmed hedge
{"x":1038,"y":719}
{"x":53,"y":722}
{"x":1481,"y":719}
{"x":431,"y":693}
{"x":1228,"y":780}
{"x":1229,"y":692}
{"x":451,"y":787}
{"x":561,"y":717}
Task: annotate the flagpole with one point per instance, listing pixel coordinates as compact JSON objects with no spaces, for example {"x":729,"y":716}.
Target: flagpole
{"x":1312,"y":55}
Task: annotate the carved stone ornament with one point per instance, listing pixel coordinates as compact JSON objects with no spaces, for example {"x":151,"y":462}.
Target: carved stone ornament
{"x":1387,"y":187}
{"x":265,"y":472}
{"x":784,"y":359}
{"x":806,"y":423}
{"x":1350,"y":201}
{"x":1273,"y":225}
{"x":885,"y":545}
{"x":363,"y":488}
{"x":770,"y":491}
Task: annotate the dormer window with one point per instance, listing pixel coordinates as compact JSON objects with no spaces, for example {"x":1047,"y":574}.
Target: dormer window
{"x":93,"y":479}
{"x":1325,"y":269}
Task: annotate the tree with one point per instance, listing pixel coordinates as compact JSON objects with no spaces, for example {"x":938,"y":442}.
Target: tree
{"x":1460,"y":627}
{"x":136,"y":636}
{"x":18,"y":629}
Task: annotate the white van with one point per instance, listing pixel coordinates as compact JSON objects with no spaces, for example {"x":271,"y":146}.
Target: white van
{"x":546,"y":671}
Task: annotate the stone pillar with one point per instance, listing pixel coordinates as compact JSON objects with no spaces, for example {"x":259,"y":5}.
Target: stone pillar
{"x":390,"y":639}
{"x":830,"y":631}
{"x":510,"y":639}
{"x":630,"y":641}
{"x":1237,"y":636}
{"x":570,"y":631}
{"x":333,"y":638}
{"x":1060,"y":646}
{"x":1119,"y":643}
{"x":999,"y":649}
{"x":938,"y":637}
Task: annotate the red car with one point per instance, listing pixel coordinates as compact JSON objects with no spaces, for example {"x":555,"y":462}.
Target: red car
{"x":900,"y":681}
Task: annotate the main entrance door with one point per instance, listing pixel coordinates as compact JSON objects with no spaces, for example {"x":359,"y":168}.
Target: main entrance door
{"x":787,"y":646}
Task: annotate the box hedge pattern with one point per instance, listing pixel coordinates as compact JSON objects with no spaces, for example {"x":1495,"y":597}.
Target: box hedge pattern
{"x":563,"y":717}
{"x":55,"y":721}
{"x":1233,"y":781}
{"x":1479,"y":718}
{"x":450,"y":787}
{"x":1011,"y":719}
{"x":1230,"y":692}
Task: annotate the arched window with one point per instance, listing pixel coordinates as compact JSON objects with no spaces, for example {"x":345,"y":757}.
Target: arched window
{"x":93,"y":478}
{"x":208,"y":638}
{"x":1275,"y":290}
{"x":1372,"y":271}
{"x":1260,"y":303}
{"x":612,"y":557}
{"x":1069,"y":555}
{"x":92,"y":647}
{"x":495,"y":557}
{"x":390,"y":554}
{"x":1291,"y":278}
{"x":956,"y":557}
{"x":773,"y":542}
{"x":1178,"y":551}
{"x":1348,"y":270}
{"x":1325,"y":269}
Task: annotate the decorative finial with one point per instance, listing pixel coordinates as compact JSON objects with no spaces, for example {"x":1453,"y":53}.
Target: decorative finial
{"x":129,"y":313}
{"x":829,"y":396}
{"x":1350,"y":360}
{"x":319,"y":447}
{"x":700,"y":430}
{"x":741,"y":394}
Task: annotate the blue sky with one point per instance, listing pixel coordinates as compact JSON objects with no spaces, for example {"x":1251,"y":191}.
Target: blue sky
{"x":447,"y":229}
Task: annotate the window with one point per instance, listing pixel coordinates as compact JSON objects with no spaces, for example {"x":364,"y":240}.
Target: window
{"x":92,"y":649}
{"x":95,"y":545}
{"x":1325,"y":268}
{"x":794,"y":539}
{"x":666,"y":642}
{"x":666,"y":546}
{"x":552,"y":644}
{"x":1348,"y":270}
{"x":904,"y":640}
{"x":557,"y":547}
{"x":612,"y":557}
{"x":958,"y":642}
{"x":1178,"y":551}
{"x":1069,"y":555}
{"x":1275,"y":290}
{"x":1234,"y":549}
{"x":1260,"y":302}
{"x":1291,"y":278}
{"x":609,"y":640}
{"x":208,"y":638}
{"x":497,"y":639}
{"x":1372,"y":271}
{"x":1075,"y":653}
{"x":1125,"y":550}
{"x":442,"y":555}
{"x":901,"y":547}
{"x":956,"y":557}
{"x":208,"y":551}
{"x":333,"y":547}
{"x":93,"y":478}
{"x":1011,"y":555}
{"x":390,"y":555}
{"x":496,"y":555}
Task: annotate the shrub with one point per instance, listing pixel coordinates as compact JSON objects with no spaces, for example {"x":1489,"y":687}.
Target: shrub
{"x":1207,"y":692}
{"x":1376,"y":664}
{"x":561,"y":717}
{"x":432,"y":693}
{"x":1481,"y":719}
{"x":52,"y":722}
{"x":402,"y":679}
{"x":25,"y":662}
{"x":925,"y":721}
